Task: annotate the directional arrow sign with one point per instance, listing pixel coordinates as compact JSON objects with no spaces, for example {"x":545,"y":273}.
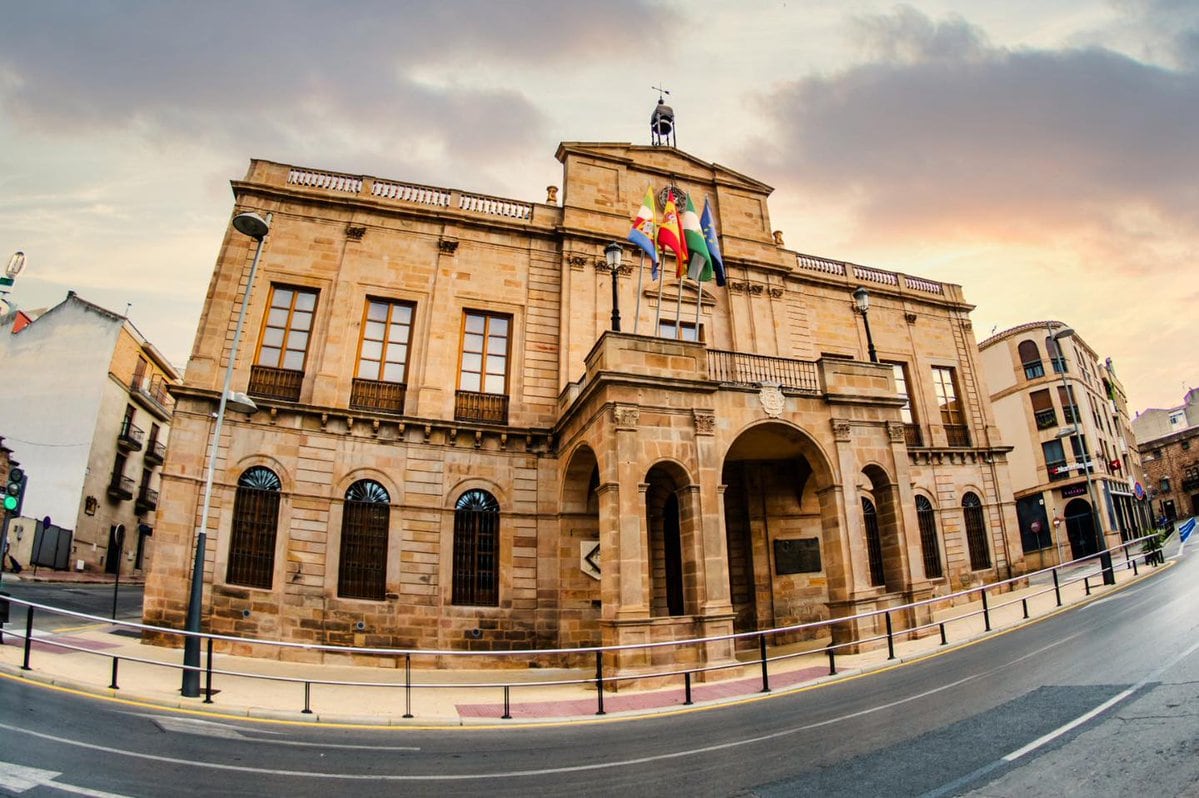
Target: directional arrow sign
{"x":589,"y":558}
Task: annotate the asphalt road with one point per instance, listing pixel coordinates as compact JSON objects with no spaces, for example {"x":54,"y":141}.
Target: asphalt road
{"x":1097,"y":701}
{"x":85,"y":597}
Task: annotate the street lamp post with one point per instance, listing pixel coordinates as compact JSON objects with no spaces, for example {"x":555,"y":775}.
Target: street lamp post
{"x":612,"y":254}
{"x":1105,"y":557}
{"x":254,"y":226}
{"x":861,"y":298}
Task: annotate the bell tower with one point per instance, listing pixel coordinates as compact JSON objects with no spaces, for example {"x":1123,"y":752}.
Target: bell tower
{"x":661,"y":122}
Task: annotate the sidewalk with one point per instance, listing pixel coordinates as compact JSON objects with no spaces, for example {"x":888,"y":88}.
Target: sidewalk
{"x":376,"y":695}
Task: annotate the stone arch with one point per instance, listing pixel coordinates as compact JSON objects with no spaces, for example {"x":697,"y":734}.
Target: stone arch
{"x":578,"y":594}
{"x":670,"y":523}
{"x":786,"y":557}
{"x":891,"y":553}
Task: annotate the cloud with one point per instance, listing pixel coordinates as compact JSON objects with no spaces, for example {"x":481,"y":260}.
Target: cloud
{"x":942,"y":134}
{"x":299,"y":79}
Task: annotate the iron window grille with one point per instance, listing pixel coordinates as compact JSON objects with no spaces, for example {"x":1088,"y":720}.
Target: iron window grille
{"x":255,"y":524}
{"x":976,"y":532}
{"x":362,"y":567}
{"x":927,"y":517}
{"x":476,"y":549}
{"x":874,"y":543}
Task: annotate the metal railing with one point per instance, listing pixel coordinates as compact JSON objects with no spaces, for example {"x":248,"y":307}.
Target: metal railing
{"x":738,"y":368}
{"x":757,"y":669}
{"x":483,"y":407}
{"x":273,"y":383}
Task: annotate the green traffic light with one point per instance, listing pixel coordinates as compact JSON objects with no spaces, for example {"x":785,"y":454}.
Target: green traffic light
{"x":10,"y":502}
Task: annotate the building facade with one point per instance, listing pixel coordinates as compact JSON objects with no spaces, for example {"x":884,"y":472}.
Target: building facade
{"x":1168,"y":440}
{"x":1065,"y":414}
{"x":87,"y":407}
{"x":452,"y":450}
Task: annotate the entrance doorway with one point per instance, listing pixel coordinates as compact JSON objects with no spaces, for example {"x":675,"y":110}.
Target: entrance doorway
{"x":1080,"y":529}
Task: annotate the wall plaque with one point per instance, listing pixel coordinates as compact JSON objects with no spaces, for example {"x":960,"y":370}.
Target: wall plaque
{"x":797,"y":556}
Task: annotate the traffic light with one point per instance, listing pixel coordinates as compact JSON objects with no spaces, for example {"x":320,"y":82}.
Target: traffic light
{"x":14,"y":490}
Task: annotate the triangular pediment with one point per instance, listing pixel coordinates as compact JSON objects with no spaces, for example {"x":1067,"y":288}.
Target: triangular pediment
{"x":669,"y":162}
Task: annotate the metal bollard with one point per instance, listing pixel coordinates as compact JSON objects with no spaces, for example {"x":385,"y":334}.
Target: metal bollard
{"x":599,"y":682}
{"x":28,"y":637}
{"x":113,"y":684}
{"x":890,"y":636}
{"x":762,"y":656}
{"x":208,"y":675}
{"x":1024,"y":602}
{"x":832,"y":662}
{"x":507,"y":706}
{"x":944,"y":638}
{"x":307,"y":710}
{"x":407,"y":685}
{"x":687,"y":688}
{"x":986,"y":613}
{"x":1086,"y":584}
{"x":1057,"y":588}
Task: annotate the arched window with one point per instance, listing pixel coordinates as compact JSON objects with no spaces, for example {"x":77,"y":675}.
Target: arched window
{"x":1054,"y":350}
{"x":927,"y":518}
{"x":874,"y":543}
{"x":255,"y":522}
{"x":1030,"y":358}
{"x":976,"y":532}
{"x":476,"y":549}
{"x":362,"y":568}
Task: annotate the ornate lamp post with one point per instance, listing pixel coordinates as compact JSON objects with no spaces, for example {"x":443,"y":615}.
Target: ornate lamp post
{"x":612,"y":254}
{"x":861,"y":298}
{"x":254,"y":226}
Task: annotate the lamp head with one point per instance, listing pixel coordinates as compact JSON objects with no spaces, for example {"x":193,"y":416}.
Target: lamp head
{"x":15,"y":264}
{"x":241,"y":402}
{"x":612,"y":254}
{"x":251,"y":224}
{"x":861,"y":298}
{"x":1065,"y":332}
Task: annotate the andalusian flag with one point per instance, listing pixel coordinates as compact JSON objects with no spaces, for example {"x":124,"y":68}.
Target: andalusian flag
{"x":700,"y":267}
{"x":669,"y":234}
{"x":708,"y":223}
{"x":642,"y":233}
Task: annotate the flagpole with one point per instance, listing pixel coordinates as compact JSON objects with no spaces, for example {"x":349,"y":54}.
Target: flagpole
{"x":678,"y":308}
{"x":661,"y":280}
{"x":640,"y":277}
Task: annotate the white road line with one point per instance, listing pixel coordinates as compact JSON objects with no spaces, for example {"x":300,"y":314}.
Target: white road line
{"x":224,"y":731}
{"x":1045,"y":739}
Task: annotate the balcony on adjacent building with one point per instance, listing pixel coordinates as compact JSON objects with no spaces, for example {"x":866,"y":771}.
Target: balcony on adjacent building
{"x":156,"y":453}
{"x":130,"y":438}
{"x":1046,"y":418}
{"x":483,"y":407}
{"x":267,"y":382}
{"x":120,"y":488}
{"x":147,"y":499}
{"x":381,"y":397}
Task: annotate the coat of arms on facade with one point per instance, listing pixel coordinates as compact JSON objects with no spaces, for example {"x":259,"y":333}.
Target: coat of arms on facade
{"x":772,"y":399}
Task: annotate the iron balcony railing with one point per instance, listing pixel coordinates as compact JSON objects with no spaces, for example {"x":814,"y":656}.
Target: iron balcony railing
{"x":147,"y":499}
{"x":129,"y":439}
{"x":484,"y":407}
{"x":1046,"y":418}
{"x":382,"y":397}
{"x":913,"y":436}
{"x":156,"y":453}
{"x":738,"y":368}
{"x":272,"y":383}
{"x":957,"y":435}
{"x":121,"y":487}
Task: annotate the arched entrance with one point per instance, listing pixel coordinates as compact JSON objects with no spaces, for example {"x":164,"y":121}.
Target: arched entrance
{"x":663,"y":524}
{"x":780,"y":528}
{"x":579,"y":598}
{"x":1080,"y":528}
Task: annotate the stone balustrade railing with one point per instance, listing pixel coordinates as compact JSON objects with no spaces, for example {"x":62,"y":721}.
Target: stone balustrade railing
{"x":858,"y":273}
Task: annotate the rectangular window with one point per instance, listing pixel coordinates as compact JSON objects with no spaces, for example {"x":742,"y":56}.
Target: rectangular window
{"x":1055,"y":460}
{"x":1065,"y":394}
{"x":383,"y":356}
{"x":1078,"y":444}
{"x":683,"y":331}
{"x":901,"y":391}
{"x":278,"y":370}
{"x":1042,"y":409}
{"x":483,"y":372}
{"x":952,"y":417}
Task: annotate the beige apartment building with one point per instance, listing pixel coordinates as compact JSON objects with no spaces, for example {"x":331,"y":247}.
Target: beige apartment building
{"x":1065,"y":414}
{"x":1168,"y":441}
{"x":452,"y":449}
{"x":86,"y":408}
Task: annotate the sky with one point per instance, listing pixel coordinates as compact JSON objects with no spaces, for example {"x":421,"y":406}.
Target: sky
{"x":1043,"y":155}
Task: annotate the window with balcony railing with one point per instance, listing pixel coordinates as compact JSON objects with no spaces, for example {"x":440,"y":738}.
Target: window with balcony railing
{"x":912,"y":435}
{"x":482,"y":393}
{"x":379,"y":382}
{"x":278,"y":370}
{"x":957,"y":435}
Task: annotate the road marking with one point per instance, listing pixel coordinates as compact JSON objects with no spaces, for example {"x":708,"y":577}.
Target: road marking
{"x":224,"y":731}
{"x":20,"y":778}
{"x":1045,"y":739}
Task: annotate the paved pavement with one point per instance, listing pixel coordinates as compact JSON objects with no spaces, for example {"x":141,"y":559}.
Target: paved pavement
{"x":96,"y":654}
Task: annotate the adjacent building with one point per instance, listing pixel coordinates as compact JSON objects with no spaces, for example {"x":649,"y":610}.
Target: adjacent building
{"x":85,"y":402}
{"x":452,"y":449}
{"x":1168,"y":440}
{"x":1065,"y":414}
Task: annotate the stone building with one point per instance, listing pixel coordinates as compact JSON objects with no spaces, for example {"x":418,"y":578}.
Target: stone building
{"x":1168,"y":439}
{"x":452,"y":450}
{"x":85,"y":400}
{"x":1065,"y":414}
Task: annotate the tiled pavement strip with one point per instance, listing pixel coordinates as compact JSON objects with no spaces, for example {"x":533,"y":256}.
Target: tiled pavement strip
{"x":453,"y":701}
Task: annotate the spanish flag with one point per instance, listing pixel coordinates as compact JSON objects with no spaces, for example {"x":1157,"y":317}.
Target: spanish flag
{"x":671,"y":237}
